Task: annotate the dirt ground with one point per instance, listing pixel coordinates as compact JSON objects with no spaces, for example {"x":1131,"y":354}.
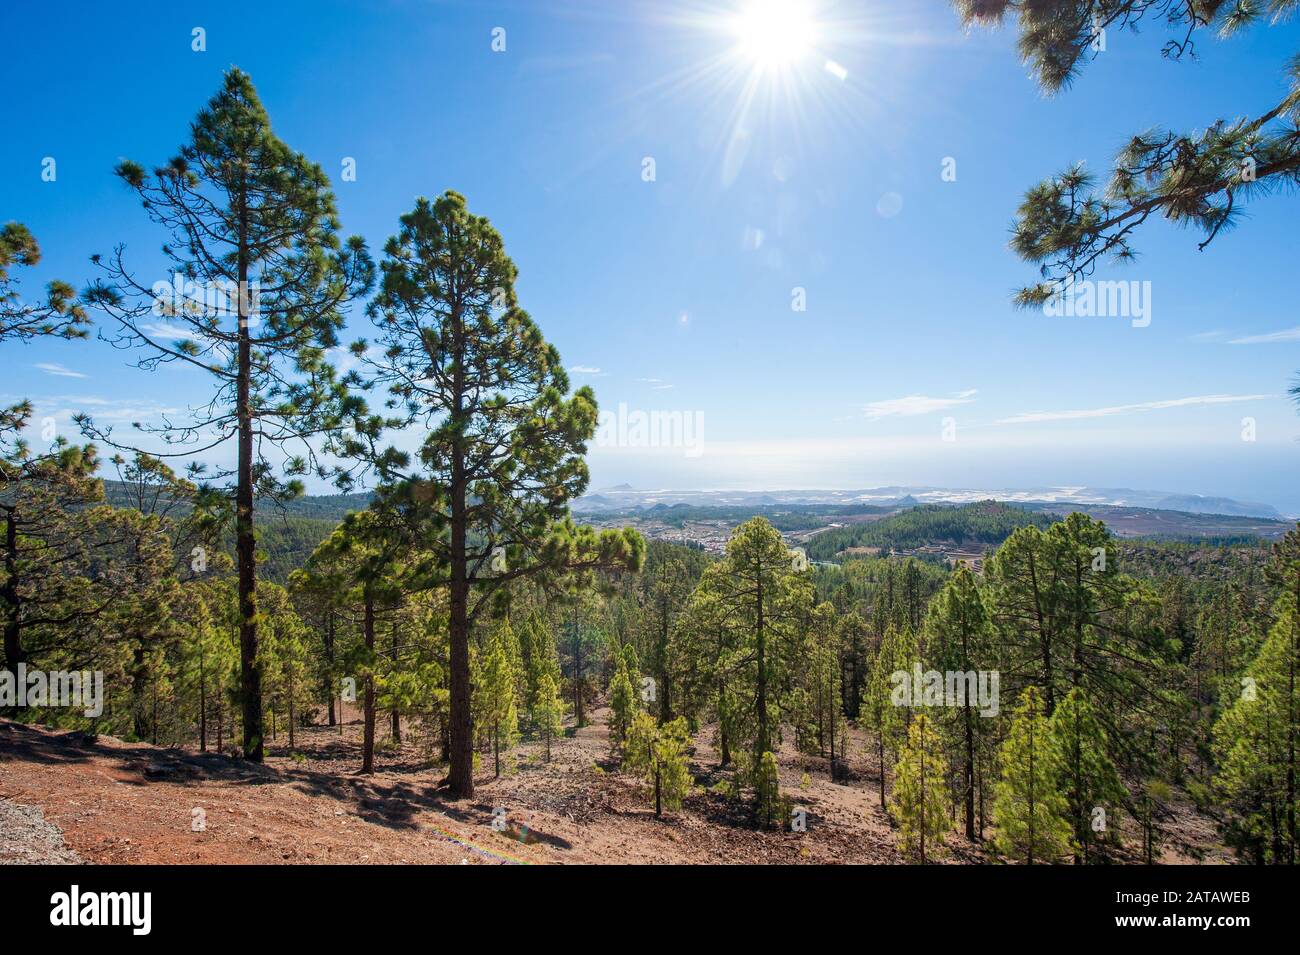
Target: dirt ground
{"x":118,"y":802}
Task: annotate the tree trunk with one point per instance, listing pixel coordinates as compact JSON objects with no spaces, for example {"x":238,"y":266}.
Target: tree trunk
{"x":460,"y":776}
{"x":203,"y":705}
{"x":1044,"y":640}
{"x":329,"y":658}
{"x":577,"y":672}
{"x":139,"y":682}
{"x":1032,"y":786}
{"x":880,"y":751}
{"x":368,"y":737}
{"x":665,"y":676}
{"x":10,"y":596}
{"x":396,"y":716}
{"x":250,"y":668}
{"x":764,"y":743}
{"x":969,"y":768}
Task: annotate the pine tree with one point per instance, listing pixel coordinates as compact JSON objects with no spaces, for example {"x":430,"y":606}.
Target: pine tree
{"x":890,"y":715}
{"x":503,"y":446}
{"x":262,"y":280}
{"x":548,"y":711}
{"x":540,"y":657}
{"x":1284,"y":572}
{"x":496,"y":712}
{"x":852,"y":635}
{"x":284,"y":659}
{"x":60,"y":315}
{"x":824,"y":728}
{"x":1028,"y":809}
{"x":624,"y":704}
{"x":768,"y":805}
{"x":76,"y":575}
{"x":36,"y":487}
{"x":360,"y":562}
{"x":764,"y":602}
{"x":666,"y":596}
{"x":961,"y":638}
{"x":1152,"y":798}
{"x":658,"y":753}
{"x":1253,"y":742}
{"x":1088,"y":777}
{"x":919,"y":802}
{"x":1066,"y":224}
{"x":580,"y":642}
{"x":705,"y":643}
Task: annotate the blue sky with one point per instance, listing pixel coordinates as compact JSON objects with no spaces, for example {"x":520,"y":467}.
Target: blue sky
{"x":675,"y":294}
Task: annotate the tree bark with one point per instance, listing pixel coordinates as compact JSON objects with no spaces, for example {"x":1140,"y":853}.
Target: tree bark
{"x":969,"y":769}
{"x":139,"y":682}
{"x":329,"y":658}
{"x":203,"y":705}
{"x":291,"y":711}
{"x":460,"y":776}
{"x":368,"y":738}
{"x":396,"y":716}
{"x":10,"y":596}
{"x":250,"y":668}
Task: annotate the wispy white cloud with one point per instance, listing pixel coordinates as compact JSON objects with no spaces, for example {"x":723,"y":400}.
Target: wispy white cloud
{"x":163,"y":331}
{"x":50,"y":368}
{"x":1286,"y":335}
{"x":587,"y":370}
{"x":1032,"y":417}
{"x":110,"y":410}
{"x":1213,"y":336}
{"x":915,"y":405}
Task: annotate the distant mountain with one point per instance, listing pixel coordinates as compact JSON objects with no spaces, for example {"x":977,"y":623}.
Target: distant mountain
{"x":1199,"y":504}
{"x":319,"y":507}
{"x":624,"y":498}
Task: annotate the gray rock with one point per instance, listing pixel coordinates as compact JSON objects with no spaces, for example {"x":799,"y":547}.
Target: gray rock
{"x":27,"y":839}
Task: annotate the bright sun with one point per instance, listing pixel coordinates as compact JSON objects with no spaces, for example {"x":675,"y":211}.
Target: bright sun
{"x":774,"y":33}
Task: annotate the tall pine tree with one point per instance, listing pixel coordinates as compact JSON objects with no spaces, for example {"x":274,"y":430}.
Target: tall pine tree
{"x":1028,"y":809}
{"x":260,"y":283}
{"x":503,"y":446}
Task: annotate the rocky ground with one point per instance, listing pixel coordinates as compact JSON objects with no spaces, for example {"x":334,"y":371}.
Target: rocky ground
{"x":65,"y":797}
{"x":27,"y":839}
